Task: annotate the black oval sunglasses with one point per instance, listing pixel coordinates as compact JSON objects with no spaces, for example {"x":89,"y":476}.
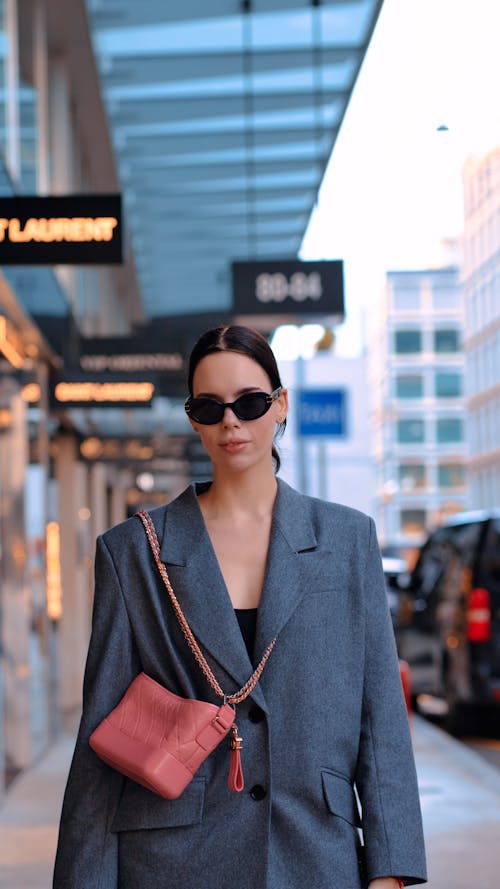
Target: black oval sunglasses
{"x":250,"y":406}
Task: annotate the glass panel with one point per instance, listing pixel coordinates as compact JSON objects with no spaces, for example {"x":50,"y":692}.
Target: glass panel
{"x":411,"y":431}
{"x":406,"y":341}
{"x":409,"y":386}
{"x":446,"y":341}
{"x":448,"y":385}
{"x":451,"y":475}
{"x":450,"y":429}
{"x":412,"y":477}
{"x":269,"y":30}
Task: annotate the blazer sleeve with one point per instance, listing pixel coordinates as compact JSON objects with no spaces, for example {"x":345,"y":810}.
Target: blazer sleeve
{"x":87,"y":853}
{"x":386,"y":777}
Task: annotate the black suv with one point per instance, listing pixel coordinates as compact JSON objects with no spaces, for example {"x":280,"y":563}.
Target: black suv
{"x":451,"y":633}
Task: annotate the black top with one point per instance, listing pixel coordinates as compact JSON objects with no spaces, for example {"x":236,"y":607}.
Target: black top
{"x":247,"y":619}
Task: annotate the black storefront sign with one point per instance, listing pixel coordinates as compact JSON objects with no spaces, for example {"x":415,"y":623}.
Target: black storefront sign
{"x":61,"y":230}
{"x":288,"y":287}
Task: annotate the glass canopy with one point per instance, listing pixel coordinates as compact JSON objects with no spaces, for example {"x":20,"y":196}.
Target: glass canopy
{"x":223,"y":117}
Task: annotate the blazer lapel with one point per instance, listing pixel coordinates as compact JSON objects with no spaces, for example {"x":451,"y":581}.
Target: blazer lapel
{"x":199,"y":586}
{"x":293,"y":568}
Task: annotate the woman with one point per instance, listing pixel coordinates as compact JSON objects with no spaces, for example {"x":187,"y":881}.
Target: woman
{"x":249,"y":559}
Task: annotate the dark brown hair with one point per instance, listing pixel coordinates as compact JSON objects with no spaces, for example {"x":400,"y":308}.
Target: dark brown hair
{"x":247,"y":341}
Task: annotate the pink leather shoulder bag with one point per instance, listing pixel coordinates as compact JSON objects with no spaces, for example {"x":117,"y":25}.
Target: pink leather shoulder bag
{"x":160,"y":739}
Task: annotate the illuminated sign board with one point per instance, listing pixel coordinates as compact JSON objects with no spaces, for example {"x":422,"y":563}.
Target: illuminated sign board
{"x":161,"y":362}
{"x":146,"y":354}
{"x":95,"y":392}
{"x":61,"y":230}
{"x":288,"y":287}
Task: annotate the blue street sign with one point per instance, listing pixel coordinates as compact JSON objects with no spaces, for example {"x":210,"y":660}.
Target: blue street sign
{"x":322,"y":412}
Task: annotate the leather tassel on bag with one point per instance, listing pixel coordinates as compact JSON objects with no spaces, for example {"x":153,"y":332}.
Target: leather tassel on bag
{"x":235,"y":781}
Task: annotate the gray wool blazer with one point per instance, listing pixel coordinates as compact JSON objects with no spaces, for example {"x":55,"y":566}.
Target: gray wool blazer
{"x":327,"y":716}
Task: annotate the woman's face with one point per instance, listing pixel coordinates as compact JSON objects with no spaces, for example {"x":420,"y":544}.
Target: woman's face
{"x":233,"y":444}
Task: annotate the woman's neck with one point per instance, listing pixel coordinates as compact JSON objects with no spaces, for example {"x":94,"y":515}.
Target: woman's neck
{"x":239,"y":495}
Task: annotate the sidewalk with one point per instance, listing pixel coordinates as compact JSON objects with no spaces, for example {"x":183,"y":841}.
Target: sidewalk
{"x":460,"y":802}
{"x":29,"y":821}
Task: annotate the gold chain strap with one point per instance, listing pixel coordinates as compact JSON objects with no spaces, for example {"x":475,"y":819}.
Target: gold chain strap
{"x":249,"y":686}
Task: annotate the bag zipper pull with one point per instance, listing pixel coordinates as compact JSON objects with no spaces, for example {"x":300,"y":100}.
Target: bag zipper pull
{"x":235,"y":780}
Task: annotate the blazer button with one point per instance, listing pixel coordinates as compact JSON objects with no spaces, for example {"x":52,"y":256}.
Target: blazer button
{"x":255,"y":714}
{"x":258,"y":792}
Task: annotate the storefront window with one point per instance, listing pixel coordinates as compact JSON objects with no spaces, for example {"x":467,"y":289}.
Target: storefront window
{"x":18,"y":108}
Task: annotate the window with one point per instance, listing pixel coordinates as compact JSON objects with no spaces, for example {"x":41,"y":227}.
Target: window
{"x":406,"y":300}
{"x":413,"y":522}
{"x":446,"y":341}
{"x":409,"y":386}
{"x":407,"y":341}
{"x":412,"y":477}
{"x":445,"y":298}
{"x":448,"y":385}
{"x":451,"y":475}
{"x":449,"y":429}
{"x":411,"y":431}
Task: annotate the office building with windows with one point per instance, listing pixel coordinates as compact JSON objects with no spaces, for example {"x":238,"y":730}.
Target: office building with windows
{"x":417,"y":373}
{"x":481,"y":289}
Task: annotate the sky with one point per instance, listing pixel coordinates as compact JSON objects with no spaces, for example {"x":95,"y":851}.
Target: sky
{"x":393,"y":190}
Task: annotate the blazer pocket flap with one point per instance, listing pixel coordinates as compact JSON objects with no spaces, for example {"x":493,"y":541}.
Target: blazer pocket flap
{"x":141,"y":809}
{"x":340,"y":797}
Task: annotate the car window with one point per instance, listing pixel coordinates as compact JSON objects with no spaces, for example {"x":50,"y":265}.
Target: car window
{"x":489,"y":565}
{"x":448,"y":548}
{"x":432,"y":563}
{"x":465,"y":538}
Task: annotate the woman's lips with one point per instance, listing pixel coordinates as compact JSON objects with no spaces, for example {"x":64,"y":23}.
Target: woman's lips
{"x":233,"y":446}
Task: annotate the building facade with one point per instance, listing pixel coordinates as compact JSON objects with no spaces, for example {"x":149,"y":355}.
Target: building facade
{"x":481,"y":288}
{"x":419,"y":418}
{"x":53,"y":140}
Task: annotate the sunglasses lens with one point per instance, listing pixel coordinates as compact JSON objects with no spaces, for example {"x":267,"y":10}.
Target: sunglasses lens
{"x":205,"y":411}
{"x":251,"y":406}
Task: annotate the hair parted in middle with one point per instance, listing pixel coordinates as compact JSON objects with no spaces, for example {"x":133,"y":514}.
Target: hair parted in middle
{"x":247,"y":341}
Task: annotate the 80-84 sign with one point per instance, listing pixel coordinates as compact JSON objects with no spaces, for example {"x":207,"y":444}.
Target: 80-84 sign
{"x":312,"y":288}
{"x":276,"y":288}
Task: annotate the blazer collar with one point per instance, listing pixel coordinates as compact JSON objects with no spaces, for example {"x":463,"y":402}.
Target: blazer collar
{"x":186,"y":526}
{"x":199,"y":586}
